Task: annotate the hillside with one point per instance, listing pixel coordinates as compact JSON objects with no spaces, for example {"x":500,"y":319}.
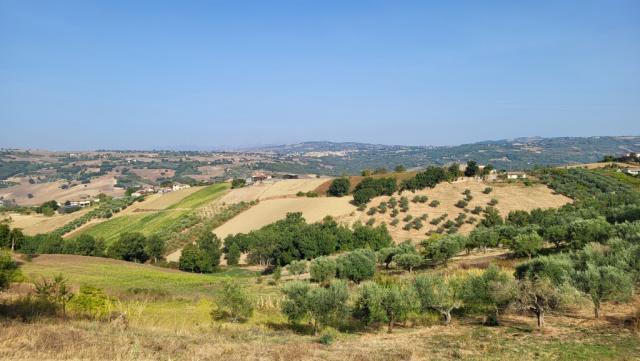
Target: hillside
{"x":509,"y":196}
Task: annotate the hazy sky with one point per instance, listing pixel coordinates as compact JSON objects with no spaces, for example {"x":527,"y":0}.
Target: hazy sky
{"x":144,"y":74}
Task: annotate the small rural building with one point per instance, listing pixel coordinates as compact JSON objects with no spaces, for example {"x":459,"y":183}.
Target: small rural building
{"x":632,"y":171}
{"x":516,"y":175}
{"x":290,"y":176}
{"x":80,"y":204}
{"x":260,"y":176}
{"x":147,"y":190}
{"x":179,"y":186}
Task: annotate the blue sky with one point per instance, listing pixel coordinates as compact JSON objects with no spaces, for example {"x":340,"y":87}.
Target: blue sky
{"x":147,"y":74}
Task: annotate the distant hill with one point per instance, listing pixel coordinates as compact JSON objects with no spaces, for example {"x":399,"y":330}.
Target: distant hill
{"x":521,"y":153}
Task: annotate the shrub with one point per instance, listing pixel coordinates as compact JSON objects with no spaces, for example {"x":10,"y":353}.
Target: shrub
{"x":434,"y":203}
{"x":493,"y":202}
{"x":232,"y":303}
{"x":297,"y":268}
{"x":322,"y":269}
{"x":238,"y":183}
{"x":328,"y":335}
{"x":487,"y":190}
{"x":91,"y":302}
{"x":461,"y":204}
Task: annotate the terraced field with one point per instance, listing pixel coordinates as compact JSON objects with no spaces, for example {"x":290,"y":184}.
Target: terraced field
{"x":158,"y":220}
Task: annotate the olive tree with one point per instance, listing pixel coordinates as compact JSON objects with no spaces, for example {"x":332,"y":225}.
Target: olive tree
{"x":489,"y":292}
{"x":604,"y":283}
{"x":388,"y":303}
{"x":322,"y":305}
{"x":438,"y":293}
{"x":408,"y":261}
{"x":322,"y":269}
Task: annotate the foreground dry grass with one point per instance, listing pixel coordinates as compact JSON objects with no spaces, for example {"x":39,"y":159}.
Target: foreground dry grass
{"x":173,"y":323}
{"x":565,"y":339}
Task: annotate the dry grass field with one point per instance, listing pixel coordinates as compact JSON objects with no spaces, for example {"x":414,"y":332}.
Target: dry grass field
{"x":600,"y":165}
{"x":272,"y":189}
{"x":43,"y":192}
{"x":510,"y":196}
{"x":32,"y":224}
{"x":269,"y":211}
{"x":153,"y":174}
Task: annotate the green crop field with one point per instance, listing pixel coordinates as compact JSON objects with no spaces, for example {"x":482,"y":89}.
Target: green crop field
{"x":201,"y":197}
{"x":156,"y":222}
{"x":118,"y":277}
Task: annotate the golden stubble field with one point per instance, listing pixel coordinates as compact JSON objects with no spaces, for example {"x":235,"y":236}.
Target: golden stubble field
{"x":510,"y":196}
{"x":43,"y":192}
{"x":32,"y":224}
{"x":272,"y":189}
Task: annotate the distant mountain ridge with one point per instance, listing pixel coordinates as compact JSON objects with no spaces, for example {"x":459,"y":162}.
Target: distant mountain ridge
{"x":519,"y":153}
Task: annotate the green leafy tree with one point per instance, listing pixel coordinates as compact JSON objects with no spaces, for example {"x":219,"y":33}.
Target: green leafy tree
{"x":557,"y":268}
{"x":191,"y":259}
{"x":85,"y":245}
{"x":472,"y":169}
{"x":491,"y":218}
{"x":233,"y":255}
{"x":211,"y":247}
{"x":129,"y":247}
{"x":527,"y":244}
{"x":556,"y":234}
{"x":155,"y":247}
{"x":357,"y":265}
{"x":339,"y":187}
